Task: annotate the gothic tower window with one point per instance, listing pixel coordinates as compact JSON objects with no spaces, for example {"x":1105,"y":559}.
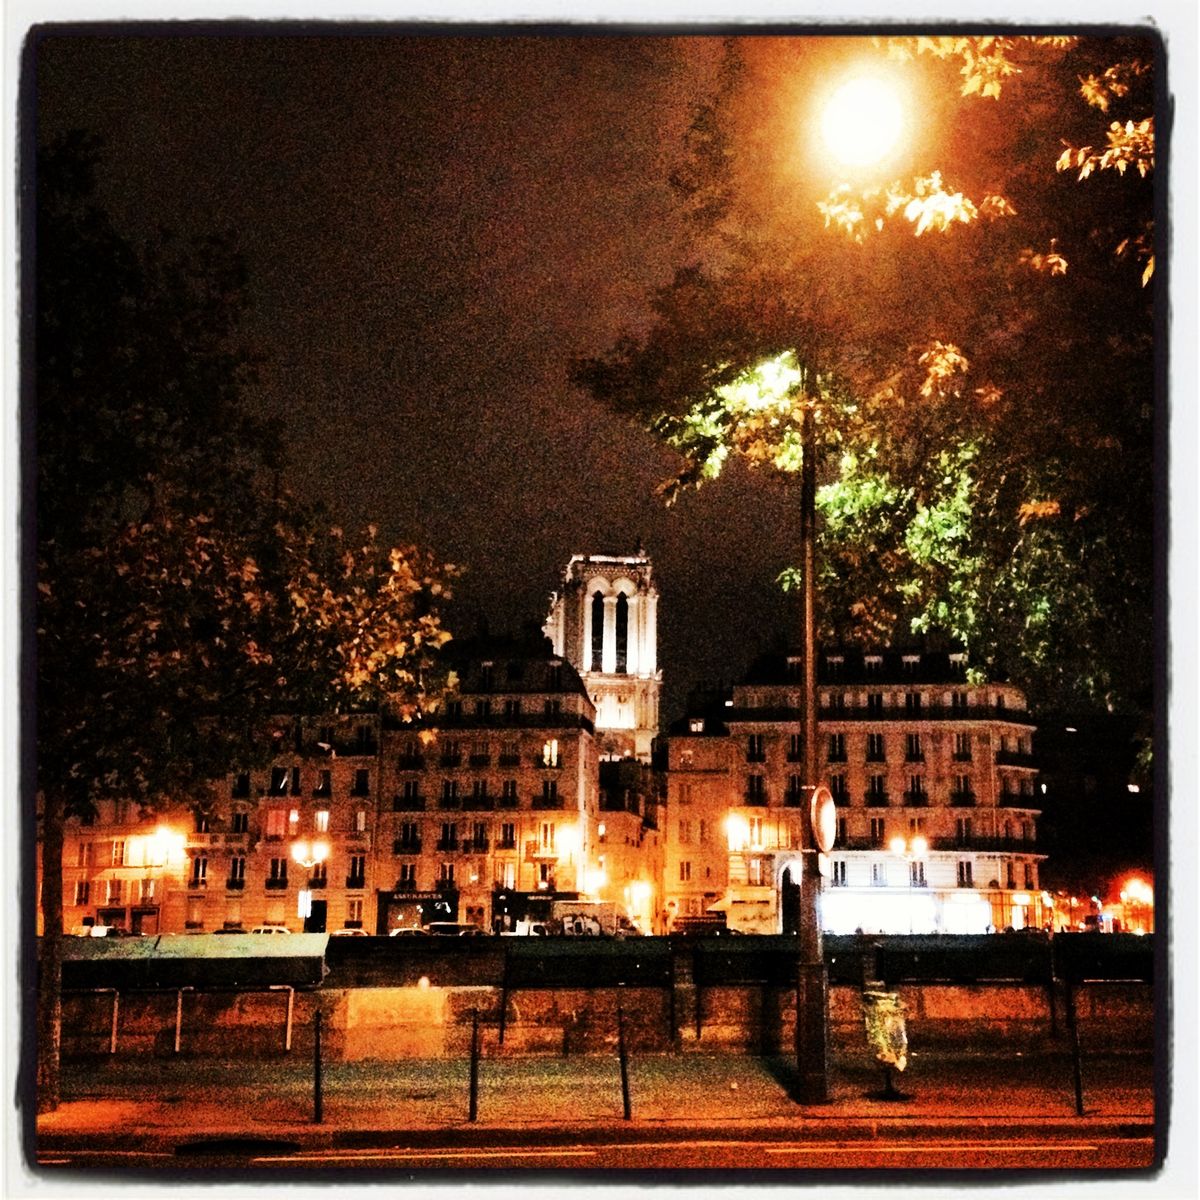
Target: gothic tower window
{"x":597,"y":632}
{"x":622,"y":634}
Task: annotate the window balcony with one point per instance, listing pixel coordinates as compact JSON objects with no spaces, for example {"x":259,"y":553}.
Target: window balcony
{"x":480,"y":760}
{"x":408,"y":804}
{"x":793,"y":798}
{"x":449,"y":802}
{"x":412,"y":846}
{"x":410,"y":762}
{"x":235,"y":885}
{"x":962,"y":799}
{"x":447,"y":845}
{"x":547,"y":803}
{"x":450,"y":760}
{"x":475,"y":846}
{"x":508,"y":802}
{"x":916,"y":799}
{"x":841,"y":799}
{"x":506,"y":844}
{"x":915,"y":756}
{"x":317,"y":884}
{"x":277,"y":885}
{"x":356,"y":881}
{"x":509,"y":760}
{"x":755,"y":799}
{"x":479,"y":803}
{"x":877,"y":800}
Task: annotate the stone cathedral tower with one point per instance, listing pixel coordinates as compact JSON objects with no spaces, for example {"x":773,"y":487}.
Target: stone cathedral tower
{"x":604,"y":622}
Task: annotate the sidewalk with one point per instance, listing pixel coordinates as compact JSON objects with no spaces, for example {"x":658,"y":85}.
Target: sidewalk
{"x":166,"y":1102}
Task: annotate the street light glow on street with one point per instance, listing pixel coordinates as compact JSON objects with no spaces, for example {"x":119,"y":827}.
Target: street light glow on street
{"x":862,"y":121}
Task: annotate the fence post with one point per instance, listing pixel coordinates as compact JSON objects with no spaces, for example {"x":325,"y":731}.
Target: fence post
{"x":179,"y":1014}
{"x":473,"y":1100}
{"x":504,"y":994}
{"x":318,"y":1099}
{"x":623,"y":1058}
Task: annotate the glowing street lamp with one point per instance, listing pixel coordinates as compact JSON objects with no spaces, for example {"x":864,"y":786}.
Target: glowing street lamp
{"x":862,"y":120}
{"x":308,"y":855}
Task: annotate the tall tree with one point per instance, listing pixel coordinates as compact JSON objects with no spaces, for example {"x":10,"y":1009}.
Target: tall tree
{"x":183,"y":597}
{"x":986,"y":364}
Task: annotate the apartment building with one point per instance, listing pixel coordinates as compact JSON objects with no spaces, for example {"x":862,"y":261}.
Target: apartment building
{"x":932,"y":776}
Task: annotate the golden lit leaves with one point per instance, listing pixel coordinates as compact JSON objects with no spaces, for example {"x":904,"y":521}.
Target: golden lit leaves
{"x":942,"y":363}
{"x":1050,"y":263}
{"x":986,"y":61}
{"x":1129,"y":145}
{"x":1038,"y":510}
{"x":1115,"y":82}
{"x":927,"y":204}
{"x":1143,"y":248}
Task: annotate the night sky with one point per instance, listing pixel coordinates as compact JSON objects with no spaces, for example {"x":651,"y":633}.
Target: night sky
{"x":434,"y":228}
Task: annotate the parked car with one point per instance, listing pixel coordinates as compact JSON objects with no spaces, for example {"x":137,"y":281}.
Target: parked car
{"x":270,"y":929}
{"x":100,"y":931}
{"x":452,"y":929}
{"x":349,"y":933}
{"x":408,"y":931}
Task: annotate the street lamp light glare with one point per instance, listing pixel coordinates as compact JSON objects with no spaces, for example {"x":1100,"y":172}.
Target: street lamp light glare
{"x":861,"y":122}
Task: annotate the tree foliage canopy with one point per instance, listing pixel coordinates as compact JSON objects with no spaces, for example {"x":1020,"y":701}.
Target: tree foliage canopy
{"x":981,"y":370}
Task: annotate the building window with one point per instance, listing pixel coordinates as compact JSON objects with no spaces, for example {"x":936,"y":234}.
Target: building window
{"x":324,"y":783}
{"x":510,"y":752}
{"x":1010,"y":875}
{"x":552,"y":708}
{"x":962,"y":747}
{"x":410,"y":836}
{"x":241,"y":786}
{"x":508,"y":793}
{"x":321,"y":820}
{"x":408,"y":875}
{"x":483,"y":710}
{"x":449,"y":793}
{"x":794,"y":796}
{"x":754,"y":872}
{"x":964,"y":874}
{"x":479,"y":835}
{"x":875,"y":748}
{"x":912,"y":704}
{"x":755,"y":827}
{"x":916,"y":874}
{"x":115,"y":891}
{"x":360,"y":821}
{"x":512,"y":710}
{"x":237,"y":869}
{"x":837,"y":786}
{"x":916,"y":824}
{"x":549,"y":793}
{"x":83,"y":855}
{"x":876,"y":790}
{"x":963,"y":830}
{"x":354,"y":913}
{"x":199,"y":876}
{"x":362,"y":782}
{"x":146,"y":890}
{"x":685,"y":833}
{"x":277,"y":872}
{"x":83,"y":890}
{"x":508,"y":836}
{"x":118,"y":852}
{"x":875,"y":704}
{"x":878,"y":874}
{"x":756,"y":789}
{"x":877,"y":830}
{"x":279,"y":781}
{"x":201,"y":824}
{"x":241,"y":821}
{"x":550,"y":753}
{"x":910,"y":662}
{"x":479,"y":791}
{"x":319,"y":875}
{"x":446,"y":872}
{"x":958,"y":702}
{"x":837,"y":747}
{"x":195,"y":913}
{"x":622,"y":638}
{"x":547,"y":838}
{"x":796,"y":747}
{"x":1028,"y":873}
{"x":839,"y":873}
{"x":841,"y":830}
{"x":755,"y":748}
{"x":506,"y":874}
{"x":702,"y":833}
{"x":914,"y":753}
{"x":449,"y":836}
{"x":685,"y":872}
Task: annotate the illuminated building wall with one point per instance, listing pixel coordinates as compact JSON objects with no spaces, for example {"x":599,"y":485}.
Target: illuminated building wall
{"x":909,"y":750}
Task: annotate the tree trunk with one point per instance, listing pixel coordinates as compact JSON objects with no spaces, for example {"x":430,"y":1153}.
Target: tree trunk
{"x":49,"y":990}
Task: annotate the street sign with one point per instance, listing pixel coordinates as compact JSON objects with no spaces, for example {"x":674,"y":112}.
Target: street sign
{"x":823,"y":816}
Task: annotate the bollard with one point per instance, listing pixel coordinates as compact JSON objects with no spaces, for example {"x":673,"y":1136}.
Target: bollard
{"x":1076,"y":1057}
{"x":318,"y":1106}
{"x":179,"y":1014}
{"x":473,"y":1101}
{"x":623,"y":1059}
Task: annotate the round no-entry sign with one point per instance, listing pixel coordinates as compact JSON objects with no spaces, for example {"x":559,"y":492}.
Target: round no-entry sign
{"x":823,"y":816}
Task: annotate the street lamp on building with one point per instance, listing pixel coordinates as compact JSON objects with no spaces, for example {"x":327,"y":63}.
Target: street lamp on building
{"x":308,"y":855}
{"x":912,"y":851}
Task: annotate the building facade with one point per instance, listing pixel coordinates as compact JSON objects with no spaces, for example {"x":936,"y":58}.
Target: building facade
{"x":933,"y":779}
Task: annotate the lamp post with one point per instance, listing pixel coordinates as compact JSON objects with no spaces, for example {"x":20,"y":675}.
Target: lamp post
{"x":912,"y":851}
